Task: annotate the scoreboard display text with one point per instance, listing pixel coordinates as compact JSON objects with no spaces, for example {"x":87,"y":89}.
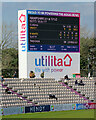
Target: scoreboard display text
{"x":52,"y":32}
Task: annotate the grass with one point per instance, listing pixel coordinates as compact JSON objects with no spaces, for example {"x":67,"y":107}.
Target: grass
{"x":57,"y":114}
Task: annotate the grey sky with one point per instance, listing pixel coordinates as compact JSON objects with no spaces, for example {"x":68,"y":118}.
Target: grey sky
{"x":86,"y":9}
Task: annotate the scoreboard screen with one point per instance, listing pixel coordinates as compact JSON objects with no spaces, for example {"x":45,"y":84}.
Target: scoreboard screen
{"x":49,"y":42}
{"x":52,"y":32}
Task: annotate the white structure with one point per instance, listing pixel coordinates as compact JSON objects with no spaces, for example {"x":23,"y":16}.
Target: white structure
{"x":48,"y":43}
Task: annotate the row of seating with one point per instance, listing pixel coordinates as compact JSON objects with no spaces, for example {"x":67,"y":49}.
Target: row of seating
{"x":25,"y":92}
{"x":89,"y":88}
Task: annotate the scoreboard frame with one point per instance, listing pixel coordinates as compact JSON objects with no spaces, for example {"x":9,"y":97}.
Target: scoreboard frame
{"x":52,"y":13}
{"x":54,"y":64}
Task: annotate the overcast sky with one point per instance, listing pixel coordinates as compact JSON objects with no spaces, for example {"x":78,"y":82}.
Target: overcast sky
{"x":86,"y":9}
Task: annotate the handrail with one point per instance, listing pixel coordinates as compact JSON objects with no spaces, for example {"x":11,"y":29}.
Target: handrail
{"x":74,"y":91}
{"x":19,"y":95}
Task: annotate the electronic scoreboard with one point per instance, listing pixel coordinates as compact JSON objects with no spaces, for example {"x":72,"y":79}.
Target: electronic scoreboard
{"x":48,"y":41}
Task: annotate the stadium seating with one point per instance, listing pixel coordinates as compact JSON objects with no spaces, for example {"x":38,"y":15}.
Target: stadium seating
{"x":35,"y":91}
{"x":88,"y":90}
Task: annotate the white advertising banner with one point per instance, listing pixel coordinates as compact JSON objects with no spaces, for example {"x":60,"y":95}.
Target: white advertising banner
{"x":56,"y":107}
{"x":61,"y":107}
{"x":55,"y":65}
{"x":13,"y":110}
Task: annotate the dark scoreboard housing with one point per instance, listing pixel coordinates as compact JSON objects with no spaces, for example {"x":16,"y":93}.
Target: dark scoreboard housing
{"x":53,"y":33}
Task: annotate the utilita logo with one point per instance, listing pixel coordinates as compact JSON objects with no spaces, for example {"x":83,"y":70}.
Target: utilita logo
{"x":53,"y":61}
{"x":22,"y":33}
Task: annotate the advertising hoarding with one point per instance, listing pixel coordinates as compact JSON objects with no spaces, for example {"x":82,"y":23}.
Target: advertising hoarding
{"x":13,"y":110}
{"x":82,"y":106}
{"x":61,"y":107}
{"x":91,"y":105}
{"x":29,"y":109}
{"x":41,"y":108}
{"x":53,"y":64}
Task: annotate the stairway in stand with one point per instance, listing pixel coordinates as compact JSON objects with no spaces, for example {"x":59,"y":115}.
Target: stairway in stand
{"x":76,"y":93}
